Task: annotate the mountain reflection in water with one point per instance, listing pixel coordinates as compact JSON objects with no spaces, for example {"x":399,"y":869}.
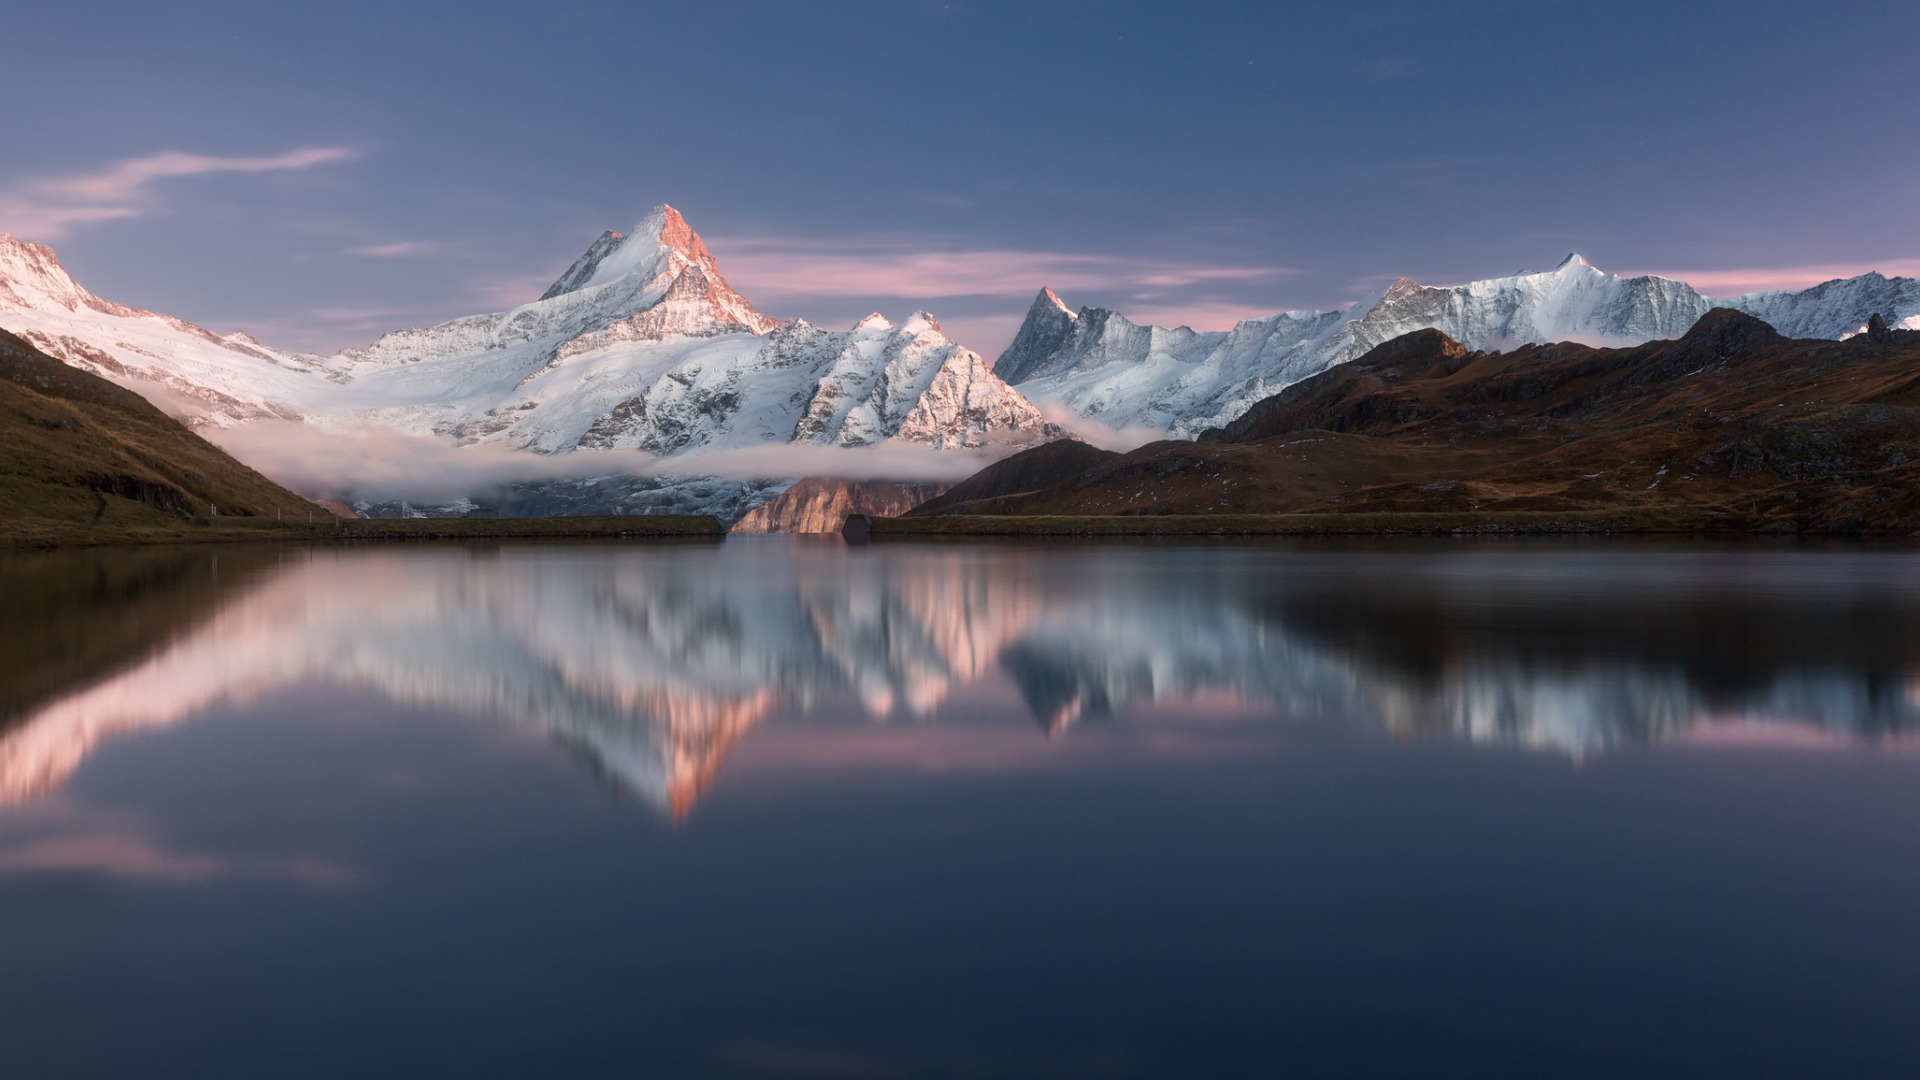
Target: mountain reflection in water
{"x":653,"y":661}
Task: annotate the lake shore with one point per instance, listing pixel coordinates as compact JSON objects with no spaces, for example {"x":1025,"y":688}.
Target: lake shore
{"x":368,"y":530}
{"x":1491,"y":523}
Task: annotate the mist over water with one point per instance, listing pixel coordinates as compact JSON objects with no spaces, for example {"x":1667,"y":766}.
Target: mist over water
{"x":780,"y":807}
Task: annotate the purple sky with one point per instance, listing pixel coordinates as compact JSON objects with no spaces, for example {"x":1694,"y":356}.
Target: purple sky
{"x":318,"y":176}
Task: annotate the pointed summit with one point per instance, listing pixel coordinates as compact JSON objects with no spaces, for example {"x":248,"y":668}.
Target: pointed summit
{"x":662,"y":243}
{"x":656,"y":281}
{"x":1046,"y":327}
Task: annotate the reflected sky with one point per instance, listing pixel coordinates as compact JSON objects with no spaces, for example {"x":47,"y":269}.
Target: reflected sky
{"x":790,"y":809}
{"x":648,"y":664}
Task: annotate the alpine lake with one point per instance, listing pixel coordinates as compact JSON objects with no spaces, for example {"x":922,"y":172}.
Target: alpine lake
{"x":784,"y":807}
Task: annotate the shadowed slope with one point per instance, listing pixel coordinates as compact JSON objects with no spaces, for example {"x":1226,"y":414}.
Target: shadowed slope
{"x":1028,"y":471}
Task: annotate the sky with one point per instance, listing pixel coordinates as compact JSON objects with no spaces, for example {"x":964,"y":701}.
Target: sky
{"x":317,"y":174}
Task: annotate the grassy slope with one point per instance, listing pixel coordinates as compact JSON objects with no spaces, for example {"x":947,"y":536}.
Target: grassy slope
{"x":79,"y":454}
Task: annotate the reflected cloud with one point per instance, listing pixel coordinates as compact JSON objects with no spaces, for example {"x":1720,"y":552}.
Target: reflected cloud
{"x":69,"y":841}
{"x":652,"y":662}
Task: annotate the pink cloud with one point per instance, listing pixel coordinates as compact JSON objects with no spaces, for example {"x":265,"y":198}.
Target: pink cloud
{"x":404,"y":249}
{"x":917,"y":269}
{"x":59,"y":837}
{"x":128,"y":178}
{"x":49,"y":209}
{"x":1738,"y":280}
{"x":118,"y":856}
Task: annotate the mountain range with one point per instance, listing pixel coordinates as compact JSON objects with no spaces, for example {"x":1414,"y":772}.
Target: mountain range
{"x":641,"y":346}
{"x":1095,"y":364}
{"x":1733,"y":428}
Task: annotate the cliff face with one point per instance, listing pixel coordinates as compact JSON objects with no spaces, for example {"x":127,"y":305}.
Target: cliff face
{"x":821,"y":504}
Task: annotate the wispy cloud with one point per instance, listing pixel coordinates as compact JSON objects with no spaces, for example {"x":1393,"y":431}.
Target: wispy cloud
{"x":980,"y":293}
{"x":50,"y":208}
{"x":922,"y":268}
{"x":1733,"y":281}
{"x":404,"y":249}
{"x":58,"y":838}
{"x":111,"y":855}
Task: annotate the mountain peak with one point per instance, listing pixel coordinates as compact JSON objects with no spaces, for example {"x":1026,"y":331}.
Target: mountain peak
{"x":664,"y":225}
{"x":1048,"y":300}
{"x":1573,"y":261}
{"x":1041,"y":334}
{"x":661,"y":234}
{"x":1725,"y":332}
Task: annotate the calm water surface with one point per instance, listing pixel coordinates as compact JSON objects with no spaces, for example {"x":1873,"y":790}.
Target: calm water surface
{"x":776,"y":808}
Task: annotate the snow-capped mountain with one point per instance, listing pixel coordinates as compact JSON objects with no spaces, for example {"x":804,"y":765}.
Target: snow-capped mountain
{"x":184,"y":368}
{"x":1097,"y":364}
{"x":640,"y":344}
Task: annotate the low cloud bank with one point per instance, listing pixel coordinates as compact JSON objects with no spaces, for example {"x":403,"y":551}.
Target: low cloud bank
{"x":379,"y":463}
{"x":1095,"y":433}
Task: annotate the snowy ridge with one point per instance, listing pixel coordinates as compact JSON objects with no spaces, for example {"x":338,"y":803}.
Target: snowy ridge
{"x":662,"y":270}
{"x":191,"y":371}
{"x":1096,"y":363}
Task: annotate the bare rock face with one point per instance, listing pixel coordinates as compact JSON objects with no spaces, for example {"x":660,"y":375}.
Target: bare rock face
{"x":1041,"y":335}
{"x":821,"y":504}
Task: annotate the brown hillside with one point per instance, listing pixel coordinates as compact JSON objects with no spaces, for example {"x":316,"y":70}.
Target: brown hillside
{"x":82,"y":458}
{"x":1032,"y":470}
{"x":1733,"y":424}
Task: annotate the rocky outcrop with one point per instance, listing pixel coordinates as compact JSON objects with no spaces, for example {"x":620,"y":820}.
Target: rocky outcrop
{"x":819,"y":504}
